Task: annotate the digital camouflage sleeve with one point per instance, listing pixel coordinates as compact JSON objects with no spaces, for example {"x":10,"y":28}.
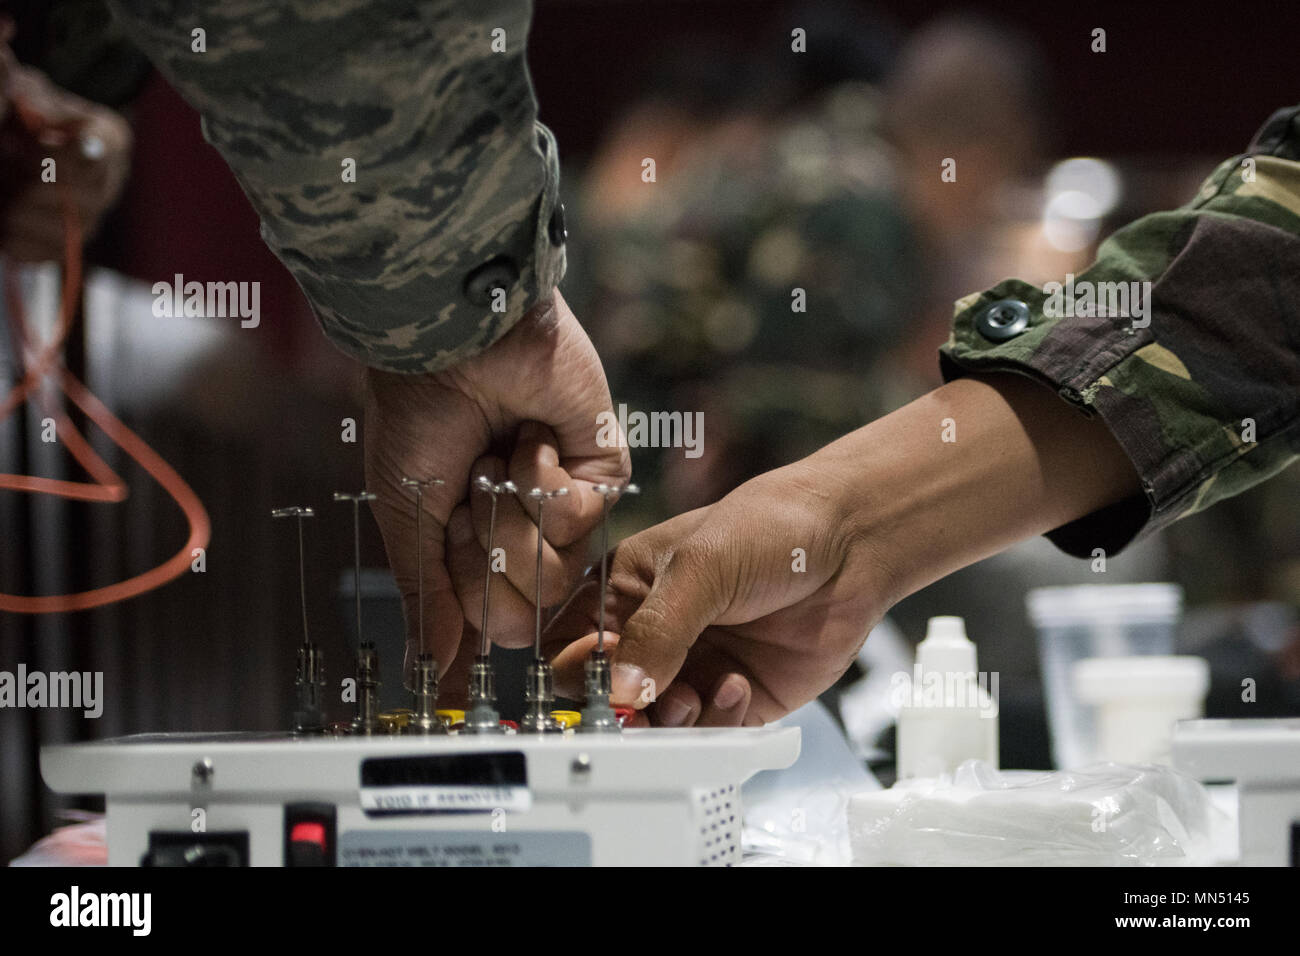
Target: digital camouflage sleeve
{"x":1205,"y":399}
{"x":455,"y":195}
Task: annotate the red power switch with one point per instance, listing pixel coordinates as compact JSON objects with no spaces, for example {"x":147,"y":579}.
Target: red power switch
{"x":309,"y":834}
{"x":313,"y":833}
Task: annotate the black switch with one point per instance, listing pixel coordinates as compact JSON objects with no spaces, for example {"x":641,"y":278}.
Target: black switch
{"x":183,"y":848}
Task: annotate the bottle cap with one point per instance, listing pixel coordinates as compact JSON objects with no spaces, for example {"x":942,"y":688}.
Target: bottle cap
{"x":946,"y":648}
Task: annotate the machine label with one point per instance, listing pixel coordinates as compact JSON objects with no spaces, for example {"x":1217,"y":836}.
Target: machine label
{"x":444,"y":799}
{"x":445,"y":783}
{"x":463,"y":848}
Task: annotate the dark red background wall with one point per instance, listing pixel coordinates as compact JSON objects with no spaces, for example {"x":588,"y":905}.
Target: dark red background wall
{"x":1193,"y":77}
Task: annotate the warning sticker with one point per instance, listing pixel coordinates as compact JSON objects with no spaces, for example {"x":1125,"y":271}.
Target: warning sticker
{"x":462,"y":798}
{"x":445,"y":783}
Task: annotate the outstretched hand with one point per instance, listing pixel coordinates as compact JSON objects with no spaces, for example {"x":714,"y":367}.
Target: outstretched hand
{"x":732,"y":614}
{"x":742,"y":611}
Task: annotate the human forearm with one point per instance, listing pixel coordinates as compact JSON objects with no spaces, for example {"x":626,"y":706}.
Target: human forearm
{"x":1020,"y":462}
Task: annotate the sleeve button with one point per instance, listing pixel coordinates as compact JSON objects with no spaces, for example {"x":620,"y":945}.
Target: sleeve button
{"x":556,"y":229}
{"x":498,"y":273}
{"x":1002,"y":320}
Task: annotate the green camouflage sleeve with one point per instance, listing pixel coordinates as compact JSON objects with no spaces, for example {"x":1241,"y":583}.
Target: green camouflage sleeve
{"x":1183,"y":336}
{"x":450,"y":228}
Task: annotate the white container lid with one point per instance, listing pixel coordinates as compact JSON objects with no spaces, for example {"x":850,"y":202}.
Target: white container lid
{"x":1100,"y":679}
{"x":946,"y":649}
{"x":1109,"y":603}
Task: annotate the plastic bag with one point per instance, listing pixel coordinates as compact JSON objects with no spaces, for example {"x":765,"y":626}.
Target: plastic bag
{"x":1105,"y":814}
{"x":84,"y":842}
{"x":797,"y":815}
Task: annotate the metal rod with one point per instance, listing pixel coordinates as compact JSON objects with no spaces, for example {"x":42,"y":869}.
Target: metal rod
{"x":482,"y":716}
{"x":539,"y":690}
{"x":606,"y":491}
{"x":366,"y":720}
{"x":299,"y":512}
{"x":599,"y":716}
{"x":484,"y":484}
{"x":537,"y":622}
{"x":302,"y":581}
{"x":424,"y":720}
{"x":604,"y":570}
{"x":356,"y":500}
{"x":541,"y":497}
{"x":309,"y":682}
{"x":419,"y":487}
{"x":483,"y":647}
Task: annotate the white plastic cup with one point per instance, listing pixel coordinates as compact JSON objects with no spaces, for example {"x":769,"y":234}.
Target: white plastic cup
{"x":1137,"y":701}
{"x":1094,"y":620}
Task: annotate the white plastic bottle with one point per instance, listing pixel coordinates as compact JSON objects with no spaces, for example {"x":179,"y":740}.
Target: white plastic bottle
{"x":949,"y":711}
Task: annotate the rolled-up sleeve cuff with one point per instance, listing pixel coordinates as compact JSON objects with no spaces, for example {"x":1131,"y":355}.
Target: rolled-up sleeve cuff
{"x":1073,"y":361}
{"x":1193,"y":379}
{"x":1191,"y":362}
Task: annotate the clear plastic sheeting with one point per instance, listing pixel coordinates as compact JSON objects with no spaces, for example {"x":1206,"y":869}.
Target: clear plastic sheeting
{"x":1105,"y":814}
{"x":83,"y":842}
{"x":797,"y":816}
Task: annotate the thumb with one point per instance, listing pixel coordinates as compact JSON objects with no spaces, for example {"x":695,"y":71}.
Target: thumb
{"x":687,"y":596}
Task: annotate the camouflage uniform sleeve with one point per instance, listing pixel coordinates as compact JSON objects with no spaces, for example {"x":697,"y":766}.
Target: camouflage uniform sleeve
{"x":1201,"y":389}
{"x":451,"y":230}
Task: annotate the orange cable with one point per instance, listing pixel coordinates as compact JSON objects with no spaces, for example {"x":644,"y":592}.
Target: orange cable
{"x":106,"y":486}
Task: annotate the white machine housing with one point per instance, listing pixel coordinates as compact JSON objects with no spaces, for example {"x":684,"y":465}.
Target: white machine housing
{"x":1262,"y":757}
{"x":644,"y":797}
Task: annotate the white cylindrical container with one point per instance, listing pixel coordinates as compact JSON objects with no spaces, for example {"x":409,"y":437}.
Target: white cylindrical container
{"x":1094,"y":620}
{"x":1138,"y":700}
{"x":949,"y":711}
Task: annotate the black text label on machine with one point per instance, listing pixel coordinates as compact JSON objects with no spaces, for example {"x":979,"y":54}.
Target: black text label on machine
{"x":447,"y":848}
{"x":445,"y":783}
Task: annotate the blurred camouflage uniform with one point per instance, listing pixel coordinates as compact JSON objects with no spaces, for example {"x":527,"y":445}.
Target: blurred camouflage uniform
{"x":1223,"y":344}
{"x":456,"y":181}
{"x":692,"y":299}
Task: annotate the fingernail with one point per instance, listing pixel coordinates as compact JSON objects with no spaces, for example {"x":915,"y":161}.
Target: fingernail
{"x":628,"y":680}
{"x":729,"y":694}
{"x":673,"y":712}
